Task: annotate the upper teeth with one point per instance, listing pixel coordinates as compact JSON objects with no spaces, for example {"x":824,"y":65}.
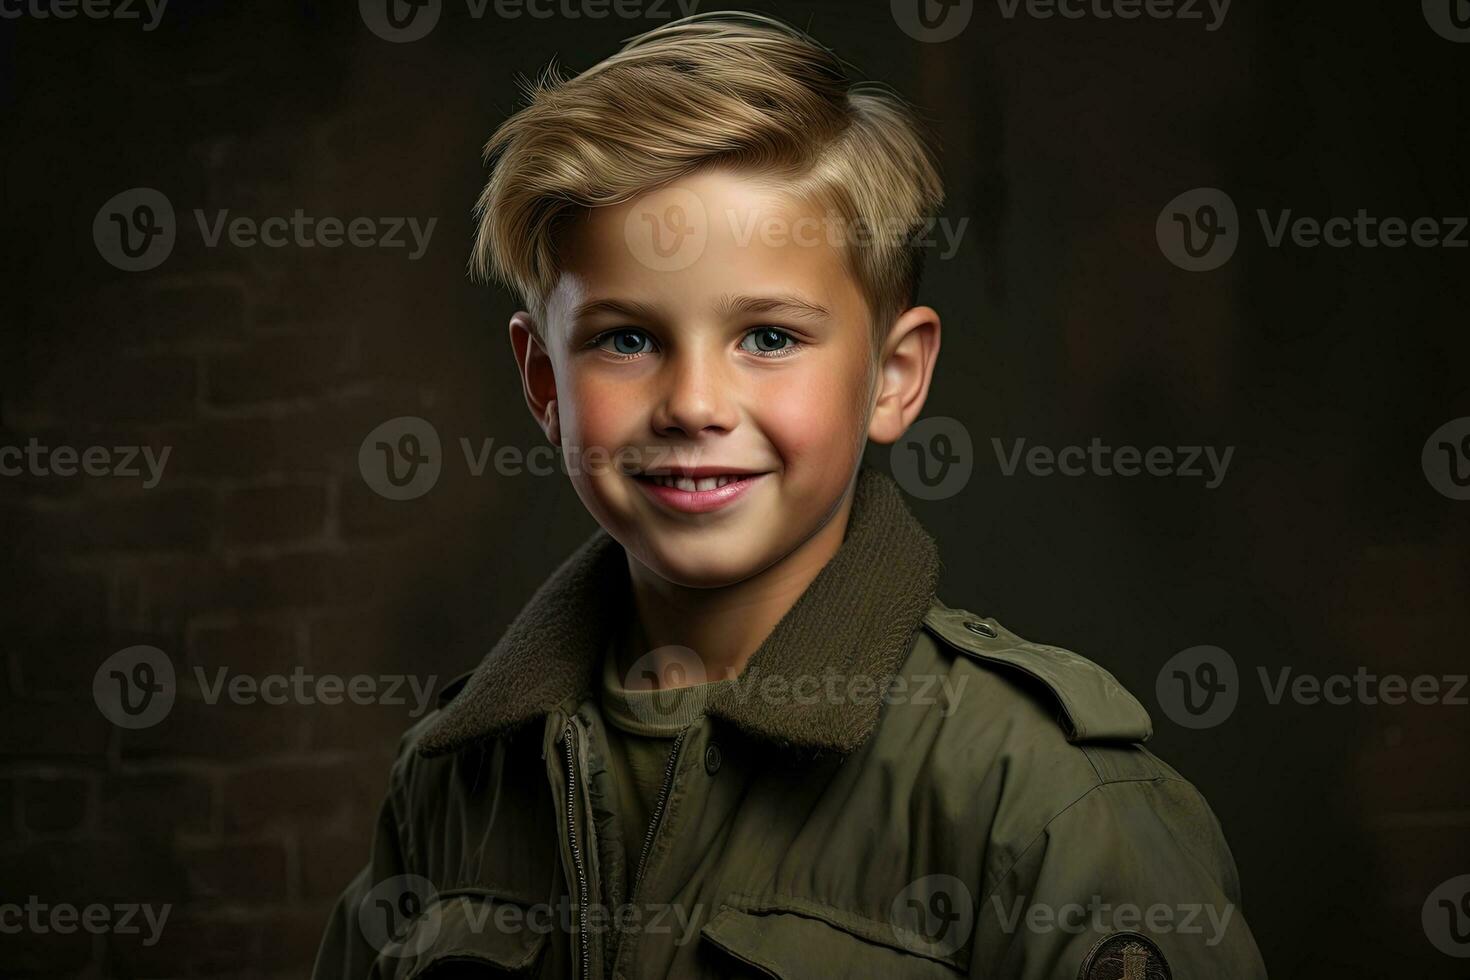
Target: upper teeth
{"x":686,"y":483}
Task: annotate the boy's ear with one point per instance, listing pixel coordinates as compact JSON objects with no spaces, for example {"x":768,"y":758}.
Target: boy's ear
{"x":538,"y":382}
{"x":905,"y":369}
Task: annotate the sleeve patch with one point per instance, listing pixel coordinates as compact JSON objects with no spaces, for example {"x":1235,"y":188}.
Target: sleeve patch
{"x":1125,"y":956}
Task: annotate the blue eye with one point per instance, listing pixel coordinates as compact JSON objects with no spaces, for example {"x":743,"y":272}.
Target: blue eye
{"x":625,"y":343}
{"x":769,"y":342}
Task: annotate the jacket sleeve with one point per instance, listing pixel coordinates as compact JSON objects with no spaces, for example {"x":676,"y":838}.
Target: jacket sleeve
{"x":1131,"y":872}
{"x":346,"y":950}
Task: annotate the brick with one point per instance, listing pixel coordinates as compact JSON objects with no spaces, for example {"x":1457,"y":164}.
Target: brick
{"x":264,"y":515}
{"x":330,"y":861}
{"x":276,"y":368}
{"x":163,"y":595}
{"x":8,"y":810}
{"x":55,"y":600}
{"x":291,"y":939}
{"x":44,"y":953}
{"x":188,"y":944}
{"x":156,"y":804}
{"x":111,"y":389}
{"x":151,"y":520}
{"x":66,"y":464}
{"x":66,"y":665}
{"x":94,"y":871}
{"x":68,"y":730}
{"x":306,"y":580}
{"x":175,"y":313}
{"x":55,"y":804}
{"x":353,"y":642}
{"x":363,"y":513}
{"x":319,"y":440}
{"x":223,"y":731}
{"x":233,"y":874}
{"x":256,"y":648}
{"x":371,"y":729}
{"x":286,"y":795}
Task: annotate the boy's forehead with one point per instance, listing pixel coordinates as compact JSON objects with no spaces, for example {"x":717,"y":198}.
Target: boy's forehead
{"x":710,"y":235}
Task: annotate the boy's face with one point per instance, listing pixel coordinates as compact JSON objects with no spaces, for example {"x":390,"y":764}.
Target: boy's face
{"x":734,"y":343}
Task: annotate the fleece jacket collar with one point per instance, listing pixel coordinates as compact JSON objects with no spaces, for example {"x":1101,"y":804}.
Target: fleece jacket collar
{"x":856,"y":620}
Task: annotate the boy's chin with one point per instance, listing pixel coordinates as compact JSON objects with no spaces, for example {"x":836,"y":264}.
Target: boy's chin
{"x":707,"y":565}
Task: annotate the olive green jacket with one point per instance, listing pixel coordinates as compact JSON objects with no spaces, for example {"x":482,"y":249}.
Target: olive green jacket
{"x":894,"y":788}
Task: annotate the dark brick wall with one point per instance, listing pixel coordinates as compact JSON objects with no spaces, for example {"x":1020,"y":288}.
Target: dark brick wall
{"x":262,"y":550}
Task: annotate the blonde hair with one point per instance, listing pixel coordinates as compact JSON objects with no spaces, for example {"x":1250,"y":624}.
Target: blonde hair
{"x":724,"y":88}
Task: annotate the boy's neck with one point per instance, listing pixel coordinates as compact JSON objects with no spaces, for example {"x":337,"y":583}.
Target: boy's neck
{"x":724,"y":626}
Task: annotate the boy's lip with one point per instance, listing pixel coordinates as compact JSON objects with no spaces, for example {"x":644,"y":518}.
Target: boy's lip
{"x":699,"y":501}
{"x":696,"y":472}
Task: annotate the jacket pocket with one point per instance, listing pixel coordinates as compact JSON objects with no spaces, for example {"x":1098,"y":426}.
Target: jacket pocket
{"x":791,"y":946}
{"x":464,"y":936}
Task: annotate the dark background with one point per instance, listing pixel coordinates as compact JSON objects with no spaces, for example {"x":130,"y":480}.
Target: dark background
{"x":263,"y":548}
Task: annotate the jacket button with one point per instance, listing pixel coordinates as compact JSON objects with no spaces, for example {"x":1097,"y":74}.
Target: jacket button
{"x":984,"y":629}
{"x":712,"y":758}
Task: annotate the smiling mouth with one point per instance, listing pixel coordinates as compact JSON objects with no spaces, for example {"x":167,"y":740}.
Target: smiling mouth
{"x":693,"y":484}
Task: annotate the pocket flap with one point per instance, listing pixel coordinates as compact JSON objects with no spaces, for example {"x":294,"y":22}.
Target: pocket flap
{"x":790,"y":946}
{"x":465,"y":935}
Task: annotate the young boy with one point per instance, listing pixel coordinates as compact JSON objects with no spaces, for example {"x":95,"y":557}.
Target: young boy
{"x":736,"y":733}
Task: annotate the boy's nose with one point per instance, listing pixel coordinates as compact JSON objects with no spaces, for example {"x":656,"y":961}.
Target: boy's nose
{"x":695,"y":397}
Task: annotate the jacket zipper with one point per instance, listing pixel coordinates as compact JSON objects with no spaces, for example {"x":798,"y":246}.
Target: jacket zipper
{"x":582,"y":900}
{"x":658,"y":808}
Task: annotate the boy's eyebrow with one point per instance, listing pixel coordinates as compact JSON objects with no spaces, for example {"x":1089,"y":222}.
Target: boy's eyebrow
{"x":617,"y":307}
{"x":789,"y":305}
